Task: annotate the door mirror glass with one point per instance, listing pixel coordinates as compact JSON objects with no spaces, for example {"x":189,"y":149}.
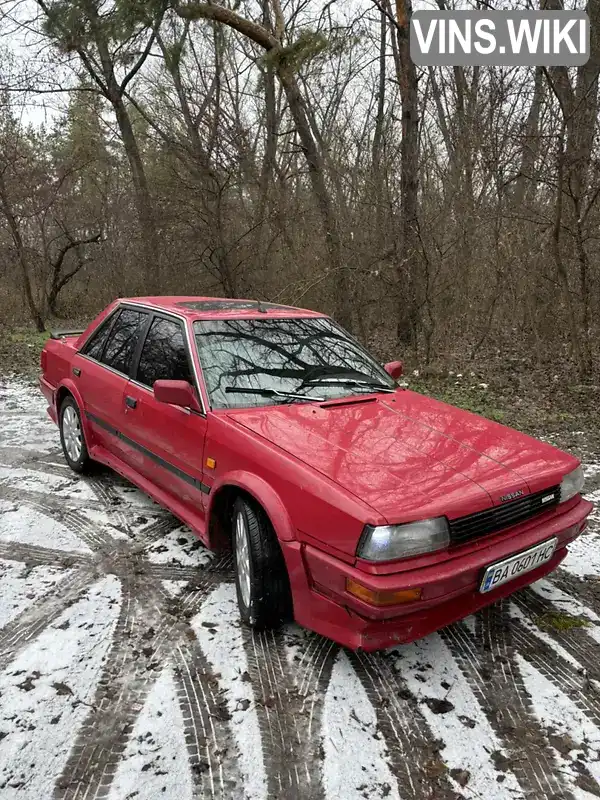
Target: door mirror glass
{"x":177,"y":393}
{"x":394,"y":369}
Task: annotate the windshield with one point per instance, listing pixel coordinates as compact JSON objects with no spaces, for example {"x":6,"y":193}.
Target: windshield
{"x":307,"y":358}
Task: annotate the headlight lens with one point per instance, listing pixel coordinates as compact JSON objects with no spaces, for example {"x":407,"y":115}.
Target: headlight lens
{"x":571,"y":484}
{"x":388,"y":542}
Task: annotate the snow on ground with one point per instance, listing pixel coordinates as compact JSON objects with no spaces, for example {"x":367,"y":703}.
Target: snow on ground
{"x":125,"y":623}
{"x":179,"y":547}
{"x":566,"y":603}
{"x":431,"y":673}
{"x":355,"y":764}
{"x":28,"y":426}
{"x":67,"y":484}
{"x":584,"y":553}
{"x":581,"y":738}
{"x":27,"y":526}
{"x":152,"y":766}
{"x":21,"y":587}
{"x":45,"y":690}
{"x":217,"y":627}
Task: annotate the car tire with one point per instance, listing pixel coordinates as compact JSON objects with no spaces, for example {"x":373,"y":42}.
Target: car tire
{"x":261,"y":579}
{"x":72,"y":438}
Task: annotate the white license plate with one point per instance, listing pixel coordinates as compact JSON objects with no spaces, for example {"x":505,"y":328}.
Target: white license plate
{"x":511,"y":568}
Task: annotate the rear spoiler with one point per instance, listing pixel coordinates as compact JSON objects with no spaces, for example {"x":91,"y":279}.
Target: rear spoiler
{"x":62,"y":334}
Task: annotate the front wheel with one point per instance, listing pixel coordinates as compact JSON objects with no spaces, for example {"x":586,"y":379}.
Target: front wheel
{"x":263,"y":588}
{"x":71,"y":436}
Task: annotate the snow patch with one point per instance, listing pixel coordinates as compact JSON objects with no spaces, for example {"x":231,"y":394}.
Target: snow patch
{"x":27,"y":526}
{"x":225,"y":652}
{"x":430,"y":671}
{"x":30,"y":480}
{"x":22,"y":587}
{"x":180,"y":547}
{"x":562,"y":601}
{"x":355,"y":764}
{"x":174,"y":588}
{"x":44,"y":692}
{"x":152,"y":764}
{"x":556,"y":712}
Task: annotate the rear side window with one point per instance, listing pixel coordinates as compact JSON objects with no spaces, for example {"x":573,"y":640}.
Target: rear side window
{"x":95,"y":345}
{"x":123,"y":339}
{"x":164,"y":356}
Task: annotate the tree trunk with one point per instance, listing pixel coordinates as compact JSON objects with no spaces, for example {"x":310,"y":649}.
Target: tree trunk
{"x":531,"y":144}
{"x":143,"y":200}
{"x":316,"y":172}
{"x":15,"y":232}
{"x":408,"y":266}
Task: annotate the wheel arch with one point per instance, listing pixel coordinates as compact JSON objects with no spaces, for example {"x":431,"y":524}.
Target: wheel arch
{"x":68,"y":388}
{"x":256,"y":489}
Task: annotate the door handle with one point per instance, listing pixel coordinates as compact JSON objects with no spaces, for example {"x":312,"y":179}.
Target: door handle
{"x":130,"y":402}
{"x":76,"y":372}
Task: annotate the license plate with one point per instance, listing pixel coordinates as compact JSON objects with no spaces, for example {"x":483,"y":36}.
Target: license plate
{"x":511,"y":568}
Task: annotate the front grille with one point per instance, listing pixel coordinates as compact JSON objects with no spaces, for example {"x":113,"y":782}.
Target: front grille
{"x":500,"y":517}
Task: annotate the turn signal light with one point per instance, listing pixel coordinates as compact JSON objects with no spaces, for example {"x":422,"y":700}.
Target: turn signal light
{"x":381,"y":597}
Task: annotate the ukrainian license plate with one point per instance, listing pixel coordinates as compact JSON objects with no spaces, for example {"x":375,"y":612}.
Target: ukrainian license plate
{"x":511,"y":568}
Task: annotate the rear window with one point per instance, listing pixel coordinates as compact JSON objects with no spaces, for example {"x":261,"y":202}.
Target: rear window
{"x":94,"y":347}
{"x":123,"y":339}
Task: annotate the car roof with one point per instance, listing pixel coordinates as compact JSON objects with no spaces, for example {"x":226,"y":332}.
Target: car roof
{"x":222,"y":307}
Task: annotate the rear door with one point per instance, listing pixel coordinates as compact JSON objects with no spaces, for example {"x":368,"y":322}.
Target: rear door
{"x":167,"y":442}
{"x":101,"y":370}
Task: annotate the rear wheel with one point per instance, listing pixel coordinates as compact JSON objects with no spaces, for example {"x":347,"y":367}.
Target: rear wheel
{"x":71,"y":436}
{"x":263,"y":588}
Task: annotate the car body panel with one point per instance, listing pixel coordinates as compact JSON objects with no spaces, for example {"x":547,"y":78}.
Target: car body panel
{"x":449,"y":463}
{"x":166,"y":442}
{"x":322,"y":471}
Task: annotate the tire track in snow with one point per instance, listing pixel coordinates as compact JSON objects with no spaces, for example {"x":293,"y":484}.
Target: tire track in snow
{"x":119,"y":695}
{"x":575,"y":640}
{"x":46,"y":503}
{"x":205,"y":717}
{"x":565,"y":676}
{"x":34,"y":555}
{"x":28,"y":625}
{"x":149,"y":633}
{"x":587,"y":591}
{"x":488,"y":663}
{"x":414,"y":755}
{"x":57,"y":508}
{"x":289,"y":704}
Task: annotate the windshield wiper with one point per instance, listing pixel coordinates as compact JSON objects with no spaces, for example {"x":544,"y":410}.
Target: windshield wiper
{"x":350,"y":382}
{"x":273,"y":393}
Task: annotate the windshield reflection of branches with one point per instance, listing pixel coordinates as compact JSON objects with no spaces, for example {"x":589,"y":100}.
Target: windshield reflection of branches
{"x":277,"y":354}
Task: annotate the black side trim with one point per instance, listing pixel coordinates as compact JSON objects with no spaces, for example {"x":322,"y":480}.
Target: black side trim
{"x":184,"y":476}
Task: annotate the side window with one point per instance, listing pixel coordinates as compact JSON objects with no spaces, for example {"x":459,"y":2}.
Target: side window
{"x":95,"y":345}
{"x":164,"y":356}
{"x":123,"y":339}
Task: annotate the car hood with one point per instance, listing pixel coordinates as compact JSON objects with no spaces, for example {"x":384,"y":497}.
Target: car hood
{"x":409,"y":456}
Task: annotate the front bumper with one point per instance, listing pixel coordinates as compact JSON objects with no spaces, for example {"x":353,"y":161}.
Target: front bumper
{"x":450,"y":587}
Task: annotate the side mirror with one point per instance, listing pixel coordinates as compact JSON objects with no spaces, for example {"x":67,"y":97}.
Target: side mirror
{"x":177,"y":393}
{"x":394,"y":369}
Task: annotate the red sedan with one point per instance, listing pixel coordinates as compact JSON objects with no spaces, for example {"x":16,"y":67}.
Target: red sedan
{"x":365,"y":511}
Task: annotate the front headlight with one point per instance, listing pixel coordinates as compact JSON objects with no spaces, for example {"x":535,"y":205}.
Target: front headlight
{"x":571,"y":484}
{"x":388,"y":542}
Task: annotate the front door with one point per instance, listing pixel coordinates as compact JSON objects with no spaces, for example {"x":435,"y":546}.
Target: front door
{"x":165,"y":442}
